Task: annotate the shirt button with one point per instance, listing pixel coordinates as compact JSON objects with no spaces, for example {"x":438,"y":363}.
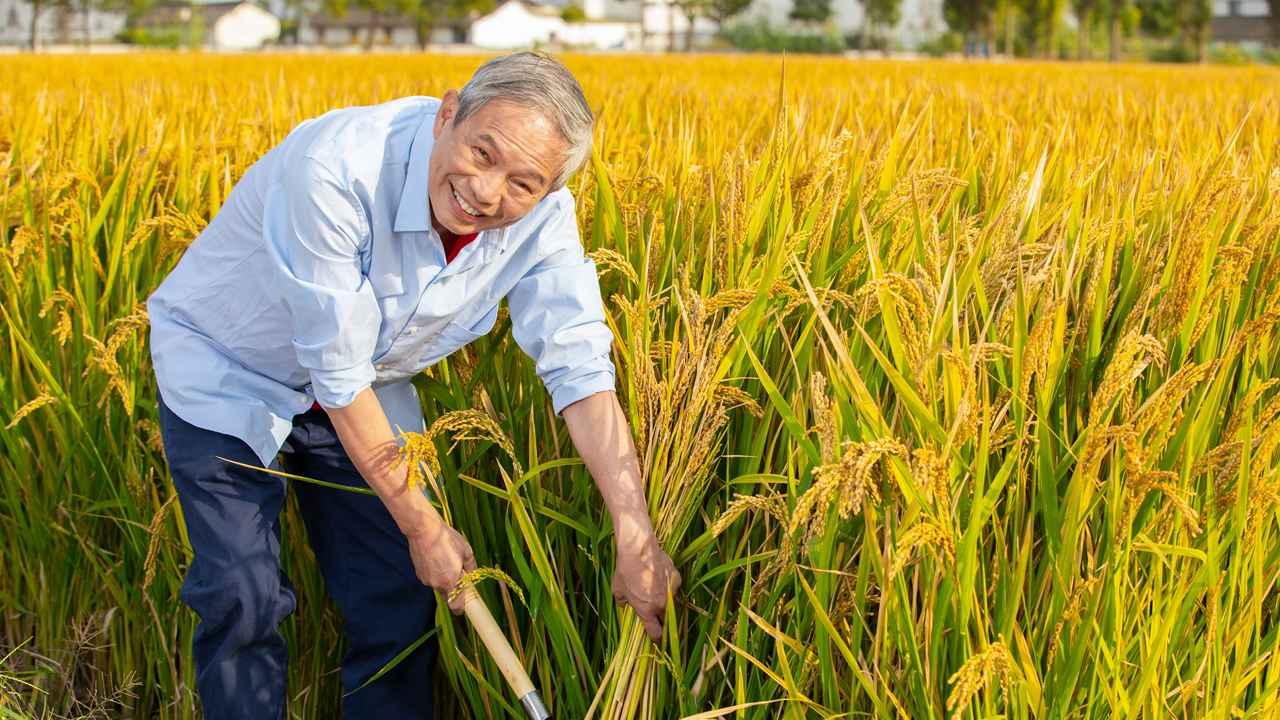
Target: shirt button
{"x":411,"y":330}
{"x":380,"y":367}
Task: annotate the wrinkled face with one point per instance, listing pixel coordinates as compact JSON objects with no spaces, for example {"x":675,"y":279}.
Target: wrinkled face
{"x":491,"y":169}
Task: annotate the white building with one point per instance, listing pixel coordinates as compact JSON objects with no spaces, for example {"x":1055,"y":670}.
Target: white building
{"x":231,"y":25}
{"x":522,"y":23}
{"x":661,"y":25}
{"x":1246,"y":22}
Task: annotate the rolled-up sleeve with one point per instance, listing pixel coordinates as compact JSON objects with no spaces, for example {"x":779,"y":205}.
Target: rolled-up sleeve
{"x":557,"y":318}
{"x":314,"y":230}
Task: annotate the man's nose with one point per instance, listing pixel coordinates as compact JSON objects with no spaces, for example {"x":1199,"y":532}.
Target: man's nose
{"x":488,"y":190}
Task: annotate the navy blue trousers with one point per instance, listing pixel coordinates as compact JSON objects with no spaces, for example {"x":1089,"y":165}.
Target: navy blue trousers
{"x":236,"y":586}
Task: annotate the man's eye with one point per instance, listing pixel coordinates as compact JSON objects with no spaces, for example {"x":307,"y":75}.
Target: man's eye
{"x":480,"y":151}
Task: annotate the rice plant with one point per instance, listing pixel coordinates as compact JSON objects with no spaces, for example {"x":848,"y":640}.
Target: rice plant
{"x":956,"y":389}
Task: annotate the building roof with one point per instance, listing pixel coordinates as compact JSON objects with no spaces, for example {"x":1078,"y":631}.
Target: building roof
{"x":363,"y":18}
{"x":537,"y":8}
{"x":1236,"y":29}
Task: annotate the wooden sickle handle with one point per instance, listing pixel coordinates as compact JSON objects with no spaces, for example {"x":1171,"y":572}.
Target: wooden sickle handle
{"x":503,"y":656}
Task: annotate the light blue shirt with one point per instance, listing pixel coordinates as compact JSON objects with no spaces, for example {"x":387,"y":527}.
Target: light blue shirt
{"x":321,"y":276}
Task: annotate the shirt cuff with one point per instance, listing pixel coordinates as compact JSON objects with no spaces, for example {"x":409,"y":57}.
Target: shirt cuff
{"x":570,"y":392}
{"x":339,"y":388}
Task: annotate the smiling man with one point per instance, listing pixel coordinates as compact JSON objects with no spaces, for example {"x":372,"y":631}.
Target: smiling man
{"x":369,"y":244}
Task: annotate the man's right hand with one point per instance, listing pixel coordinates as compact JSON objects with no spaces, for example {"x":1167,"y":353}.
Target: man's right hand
{"x":440,"y":557}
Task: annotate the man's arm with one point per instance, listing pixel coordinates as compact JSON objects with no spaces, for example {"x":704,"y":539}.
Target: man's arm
{"x":440,"y":554}
{"x":602,"y":437}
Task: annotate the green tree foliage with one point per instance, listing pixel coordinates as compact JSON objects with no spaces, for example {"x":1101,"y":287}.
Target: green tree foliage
{"x":573,"y":12}
{"x":1194,"y":17}
{"x":722,"y":10}
{"x":970,"y":18}
{"x":1043,"y":18}
{"x":1085,"y":12}
{"x":812,"y":11}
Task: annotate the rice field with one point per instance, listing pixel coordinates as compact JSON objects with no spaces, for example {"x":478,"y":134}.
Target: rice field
{"x":956,"y":389}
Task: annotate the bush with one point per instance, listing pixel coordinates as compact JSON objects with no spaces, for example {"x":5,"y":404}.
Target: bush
{"x":166,"y":36}
{"x":759,"y":36}
{"x":573,"y":13}
{"x":853,"y":40}
{"x":948,"y":43}
{"x":1229,"y":54}
{"x":1172,"y":53}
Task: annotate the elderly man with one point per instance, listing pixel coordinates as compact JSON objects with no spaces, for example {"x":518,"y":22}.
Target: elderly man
{"x":369,"y":244}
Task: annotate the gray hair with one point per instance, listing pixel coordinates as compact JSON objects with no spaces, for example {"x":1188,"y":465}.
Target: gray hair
{"x":538,"y":81}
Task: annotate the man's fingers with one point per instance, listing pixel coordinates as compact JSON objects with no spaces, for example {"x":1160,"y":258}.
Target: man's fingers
{"x":652,"y":628}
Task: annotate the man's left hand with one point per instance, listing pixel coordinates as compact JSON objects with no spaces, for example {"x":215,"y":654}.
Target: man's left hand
{"x":643,"y":574}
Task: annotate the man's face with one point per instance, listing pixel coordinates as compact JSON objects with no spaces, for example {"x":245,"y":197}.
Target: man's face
{"x":491,"y":169}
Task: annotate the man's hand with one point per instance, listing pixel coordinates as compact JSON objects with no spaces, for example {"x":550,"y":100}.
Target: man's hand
{"x":641,"y":578}
{"x":440,"y":557}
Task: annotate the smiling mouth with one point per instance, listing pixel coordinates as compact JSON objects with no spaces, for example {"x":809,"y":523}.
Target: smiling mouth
{"x":464,"y":205}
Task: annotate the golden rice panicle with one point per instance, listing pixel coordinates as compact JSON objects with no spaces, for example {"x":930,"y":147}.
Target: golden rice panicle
{"x":418,"y":452}
{"x":925,"y":534}
{"x":824,"y":418}
{"x":731,"y":397}
{"x":1135,"y":352}
{"x":929,"y":468}
{"x":774,"y":506}
{"x":848,"y":482}
{"x":977,"y":672}
{"x":39,"y":401}
{"x":470,"y":579}
{"x":65,"y":303}
{"x":1080,"y":595}
{"x":609,"y":259}
{"x":474,"y":425}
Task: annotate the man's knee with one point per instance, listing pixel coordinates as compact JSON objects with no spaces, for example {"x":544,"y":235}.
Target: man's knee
{"x":240,"y":603}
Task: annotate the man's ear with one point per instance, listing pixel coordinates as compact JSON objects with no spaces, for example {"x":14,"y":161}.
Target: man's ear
{"x":448,"y":108}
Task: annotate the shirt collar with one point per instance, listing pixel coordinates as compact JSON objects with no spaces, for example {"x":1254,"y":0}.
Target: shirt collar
{"x":412,"y":215}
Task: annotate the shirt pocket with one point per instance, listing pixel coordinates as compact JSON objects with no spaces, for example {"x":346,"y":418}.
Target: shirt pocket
{"x":459,"y":333}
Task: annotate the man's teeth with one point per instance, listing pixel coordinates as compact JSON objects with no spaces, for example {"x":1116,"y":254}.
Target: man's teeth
{"x":470,"y":210}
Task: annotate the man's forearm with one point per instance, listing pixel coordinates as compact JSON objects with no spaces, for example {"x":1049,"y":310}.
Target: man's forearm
{"x":367,"y":437}
{"x":602,"y":436}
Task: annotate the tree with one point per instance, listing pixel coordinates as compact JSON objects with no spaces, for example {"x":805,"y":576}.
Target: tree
{"x":692,"y":10}
{"x":1083,"y":10}
{"x":722,"y":10}
{"x":810,"y":11}
{"x":1043,"y":18}
{"x":970,"y":18}
{"x":1118,"y":12}
{"x":38,"y":7}
{"x":572,"y":13}
{"x":428,"y":14}
{"x":1194,"y":17}
{"x":1273,"y":19}
{"x":881,"y":15}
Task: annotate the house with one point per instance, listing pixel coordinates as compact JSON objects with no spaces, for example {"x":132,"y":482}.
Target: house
{"x":388,"y":29}
{"x":228,"y":25}
{"x":62,"y":24}
{"x":524,"y":23}
{"x":1246,"y":22}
